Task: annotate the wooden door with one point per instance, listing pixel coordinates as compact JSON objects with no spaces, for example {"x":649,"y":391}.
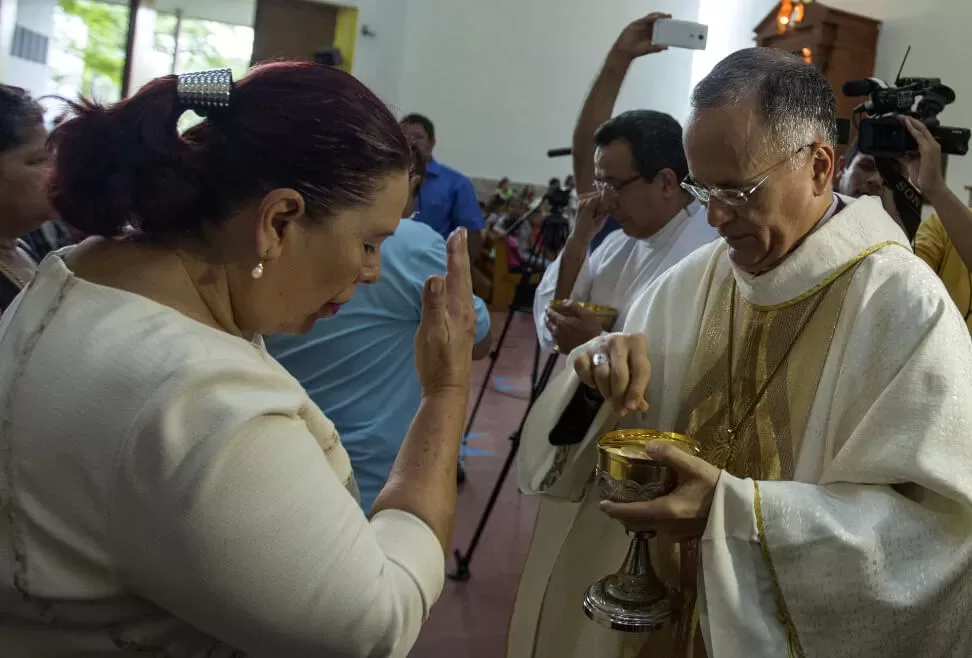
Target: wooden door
{"x":292,"y":29}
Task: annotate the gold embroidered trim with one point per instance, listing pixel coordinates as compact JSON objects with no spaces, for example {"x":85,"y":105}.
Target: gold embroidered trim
{"x":794,"y":649}
{"x":831,"y":278}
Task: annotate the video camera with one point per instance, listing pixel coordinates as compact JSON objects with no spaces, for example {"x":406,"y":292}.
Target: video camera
{"x":882,"y":134}
{"x":558,"y":198}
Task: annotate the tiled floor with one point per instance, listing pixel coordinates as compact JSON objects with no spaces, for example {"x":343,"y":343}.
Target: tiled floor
{"x":470,"y":619}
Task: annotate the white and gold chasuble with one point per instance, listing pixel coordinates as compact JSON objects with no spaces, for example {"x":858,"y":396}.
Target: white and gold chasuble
{"x":842,"y":525}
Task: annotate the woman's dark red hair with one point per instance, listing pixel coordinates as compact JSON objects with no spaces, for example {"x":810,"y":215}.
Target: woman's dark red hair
{"x":299,"y":125}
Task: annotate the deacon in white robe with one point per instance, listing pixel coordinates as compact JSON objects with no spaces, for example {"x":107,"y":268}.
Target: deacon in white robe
{"x":621,"y":267}
{"x":628,"y":167}
{"x":828,"y":378}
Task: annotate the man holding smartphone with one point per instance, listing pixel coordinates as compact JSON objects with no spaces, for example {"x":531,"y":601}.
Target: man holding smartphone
{"x":629,"y":168}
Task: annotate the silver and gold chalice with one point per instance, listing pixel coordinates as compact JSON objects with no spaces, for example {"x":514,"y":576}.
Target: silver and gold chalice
{"x":634,"y":599}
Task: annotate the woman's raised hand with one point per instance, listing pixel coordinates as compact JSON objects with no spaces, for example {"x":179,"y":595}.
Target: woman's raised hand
{"x":444,"y":341}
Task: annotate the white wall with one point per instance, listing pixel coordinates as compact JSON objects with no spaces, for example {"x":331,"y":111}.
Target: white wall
{"x":503,"y":80}
{"x":378,"y":59}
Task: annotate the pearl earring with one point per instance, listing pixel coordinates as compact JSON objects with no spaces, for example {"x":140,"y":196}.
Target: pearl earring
{"x":257,"y":271}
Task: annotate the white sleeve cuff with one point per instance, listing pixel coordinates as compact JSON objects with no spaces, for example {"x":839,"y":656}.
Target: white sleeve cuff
{"x":732,"y":515}
{"x":410,"y":544}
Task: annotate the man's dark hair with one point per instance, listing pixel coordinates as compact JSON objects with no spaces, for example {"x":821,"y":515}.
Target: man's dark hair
{"x":655,"y":139}
{"x":423,"y":121}
{"x":796,"y":100}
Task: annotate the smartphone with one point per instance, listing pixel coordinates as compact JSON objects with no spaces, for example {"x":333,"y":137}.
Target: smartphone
{"x":679,"y":34}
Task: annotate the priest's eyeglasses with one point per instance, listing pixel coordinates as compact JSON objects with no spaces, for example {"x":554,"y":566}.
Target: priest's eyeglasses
{"x":734,"y":196}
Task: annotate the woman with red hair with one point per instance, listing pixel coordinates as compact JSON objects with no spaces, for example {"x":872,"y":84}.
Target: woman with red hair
{"x":167,"y":487}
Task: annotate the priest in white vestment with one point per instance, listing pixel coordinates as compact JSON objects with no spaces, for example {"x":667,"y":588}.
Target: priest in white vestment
{"x":628,"y":167}
{"x":828,"y":378}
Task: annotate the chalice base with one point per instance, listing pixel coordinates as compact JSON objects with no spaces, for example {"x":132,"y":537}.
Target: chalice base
{"x":628,"y":614}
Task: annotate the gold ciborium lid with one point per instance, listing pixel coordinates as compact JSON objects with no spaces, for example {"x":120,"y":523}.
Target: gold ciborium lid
{"x":625,"y":474}
{"x":606,"y":314}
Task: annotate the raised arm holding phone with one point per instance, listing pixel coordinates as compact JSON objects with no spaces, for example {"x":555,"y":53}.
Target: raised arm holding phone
{"x":628,"y":167}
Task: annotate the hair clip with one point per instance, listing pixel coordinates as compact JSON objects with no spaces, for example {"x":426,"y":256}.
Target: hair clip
{"x":206,"y":92}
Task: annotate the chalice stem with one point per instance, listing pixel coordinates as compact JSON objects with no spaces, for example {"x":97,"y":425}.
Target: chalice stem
{"x":635,"y":582}
{"x":638,"y":560}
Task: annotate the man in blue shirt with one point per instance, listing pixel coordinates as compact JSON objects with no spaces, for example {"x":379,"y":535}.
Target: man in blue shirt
{"x":359,"y":365}
{"x":447,"y":199}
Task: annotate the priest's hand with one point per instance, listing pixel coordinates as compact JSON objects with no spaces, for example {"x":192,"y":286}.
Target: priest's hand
{"x":616,"y":365}
{"x":680,"y":515}
{"x":572,"y":327}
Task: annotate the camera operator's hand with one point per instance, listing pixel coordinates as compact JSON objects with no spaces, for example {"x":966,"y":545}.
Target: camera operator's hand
{"x":592,"y":211}
{"x":636,"y":39}
{"x":572,"y":327}
{"x":930,"y":178}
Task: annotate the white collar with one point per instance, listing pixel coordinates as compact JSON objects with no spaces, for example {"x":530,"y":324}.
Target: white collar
{"x":861,"y":226}
{"x":670,"y":229}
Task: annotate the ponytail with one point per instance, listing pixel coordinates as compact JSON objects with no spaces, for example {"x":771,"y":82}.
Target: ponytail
{"x":293,"y":125}
{"x":126,"y":165}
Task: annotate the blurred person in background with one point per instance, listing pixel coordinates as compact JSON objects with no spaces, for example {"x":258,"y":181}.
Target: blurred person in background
{"x":168,"y":487}
{"x":527,"y":195}
{"x":570,"y":184}
{"x":357,"y":365}
{"x":503,"y":190}
{"x":944,"y":240}
{"x":447,"y":199}
{"x":628,"y":167}
{"x":25,"y":167}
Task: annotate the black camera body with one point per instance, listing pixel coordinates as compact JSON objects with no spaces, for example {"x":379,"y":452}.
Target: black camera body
{"x":886,"y":136}
{"x":558,"y":198}
{"x":882,"y":134}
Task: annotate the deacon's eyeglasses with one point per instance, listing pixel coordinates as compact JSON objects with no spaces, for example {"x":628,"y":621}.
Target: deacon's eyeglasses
{"x":738,"y":196}
{"x":606,"y":186}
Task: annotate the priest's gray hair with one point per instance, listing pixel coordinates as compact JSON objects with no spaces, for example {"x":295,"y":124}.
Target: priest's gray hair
{"x":797,"y":103}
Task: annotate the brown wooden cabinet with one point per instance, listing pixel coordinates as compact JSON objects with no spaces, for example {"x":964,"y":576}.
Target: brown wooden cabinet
{"x":841,"y":44}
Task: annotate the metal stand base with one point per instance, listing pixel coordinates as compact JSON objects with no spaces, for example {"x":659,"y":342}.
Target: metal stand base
{"x":632,"y":600}
{"x":608,"y":611}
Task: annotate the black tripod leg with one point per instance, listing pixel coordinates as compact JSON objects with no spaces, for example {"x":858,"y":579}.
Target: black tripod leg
{"x":535,"y":372}
{"x":545,"y":376}
{"x":461,"y":573}
{"x":493,"y":356}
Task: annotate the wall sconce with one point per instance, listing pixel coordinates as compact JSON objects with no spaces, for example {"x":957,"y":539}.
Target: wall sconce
{"x":807,"y":55}
{"x":791,"y":13}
